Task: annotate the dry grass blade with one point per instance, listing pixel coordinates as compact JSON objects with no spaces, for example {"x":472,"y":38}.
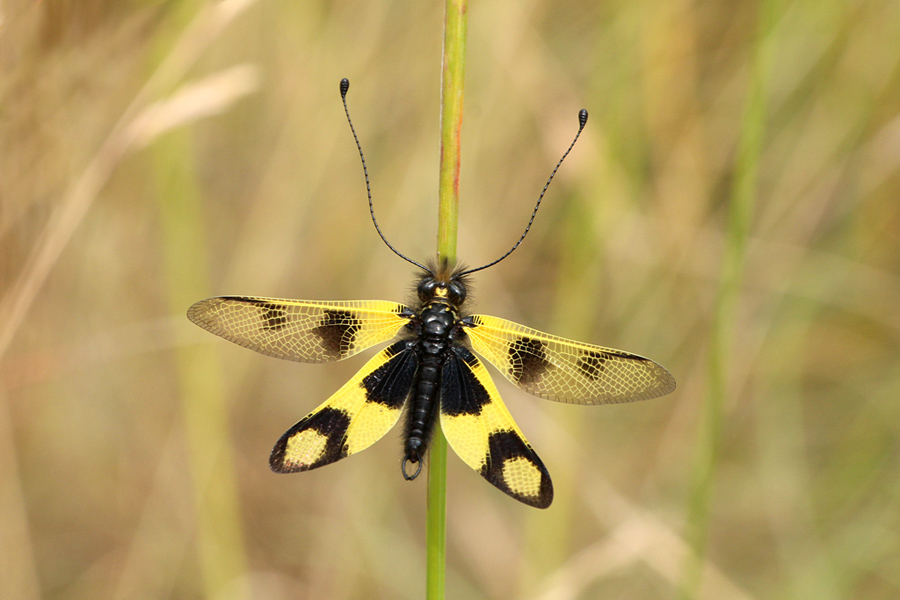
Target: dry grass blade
{"x":132,"y":131}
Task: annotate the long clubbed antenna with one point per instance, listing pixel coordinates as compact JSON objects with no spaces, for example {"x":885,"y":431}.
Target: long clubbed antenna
{"x":345,"y":85}
{"x":582,"y":121}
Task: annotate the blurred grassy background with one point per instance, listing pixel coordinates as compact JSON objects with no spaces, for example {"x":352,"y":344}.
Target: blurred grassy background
{"x":153,"y":153}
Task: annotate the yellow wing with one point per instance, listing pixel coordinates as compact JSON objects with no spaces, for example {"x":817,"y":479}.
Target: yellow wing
{"x":481,"y":431}
{"x":565,"y":370}
{"x":354,"y":418}
{"x":301,"y":330}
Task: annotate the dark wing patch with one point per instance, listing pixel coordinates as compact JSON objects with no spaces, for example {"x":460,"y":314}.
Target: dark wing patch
{"x":354,"y":418}
{"x":337,"y":330}
{"x":527,"y":360}
{"x":301,"y":330}
{"x":515,"y":469}
{"x":274,"y":318}
{"x":390,"y":383}
{"x":592,"y":364}
{"x":315,"y":441}
{"x":461,"y":391}
{"x":565,"y":370}
{"x":481,"y":431}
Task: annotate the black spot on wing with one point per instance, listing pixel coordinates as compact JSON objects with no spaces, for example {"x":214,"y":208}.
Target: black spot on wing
{"x":508,"y":445}
{"x":592,"y":364}
{"x":274,"y":318}
{"x":467,"y":356}
{"x":331,"y":423}
{"x":337,"y":330}
{"x":528,"y":360}
{"x":246,"y":299}
{"x":390,"y":383}
{"x":461,"y":392}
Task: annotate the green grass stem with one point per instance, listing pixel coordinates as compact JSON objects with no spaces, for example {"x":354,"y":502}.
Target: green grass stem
{"x":219,"y":537}
{"x":741,"y":208}
{"x":452,"y":80}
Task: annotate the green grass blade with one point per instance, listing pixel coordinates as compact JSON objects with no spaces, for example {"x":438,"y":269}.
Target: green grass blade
{"x":743,"y":200}
{"x":452,"y":80}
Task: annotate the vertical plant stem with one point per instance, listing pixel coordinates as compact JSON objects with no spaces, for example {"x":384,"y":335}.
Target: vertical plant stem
{"x":743,"y":199}
{"x":219,"y":535}
{"x":452,"y":80}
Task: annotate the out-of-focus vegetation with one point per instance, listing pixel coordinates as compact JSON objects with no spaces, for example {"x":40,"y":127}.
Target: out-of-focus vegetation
{"x":155,"y":153}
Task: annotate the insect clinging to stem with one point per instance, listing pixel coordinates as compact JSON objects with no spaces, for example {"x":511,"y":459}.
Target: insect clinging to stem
{"x":431,"y":370}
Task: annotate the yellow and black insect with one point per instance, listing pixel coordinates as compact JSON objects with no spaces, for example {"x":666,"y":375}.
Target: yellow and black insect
{"x":431,"y":370}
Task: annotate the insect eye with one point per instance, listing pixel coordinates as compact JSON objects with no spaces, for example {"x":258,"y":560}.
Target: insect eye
{"x":456,"y":292}
{"x":426,"y":289}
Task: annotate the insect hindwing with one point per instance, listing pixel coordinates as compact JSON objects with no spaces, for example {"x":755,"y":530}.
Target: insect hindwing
{"x":354,"y":418}
{"x":481,"y":431}
{"x":301,"y":330}
{"x":564,"y":370}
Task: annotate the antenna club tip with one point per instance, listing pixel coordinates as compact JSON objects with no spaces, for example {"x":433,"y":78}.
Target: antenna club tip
{"x":345,"y":85}
{"x":582,"y":117}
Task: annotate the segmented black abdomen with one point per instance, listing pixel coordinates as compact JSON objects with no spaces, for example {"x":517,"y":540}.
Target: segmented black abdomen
{"x":420,"y":418}
{"x":437,"y":322}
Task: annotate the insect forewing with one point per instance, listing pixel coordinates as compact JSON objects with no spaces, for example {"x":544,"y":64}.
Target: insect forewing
{"x":565,"y":370}
{"x":301,"y":330}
